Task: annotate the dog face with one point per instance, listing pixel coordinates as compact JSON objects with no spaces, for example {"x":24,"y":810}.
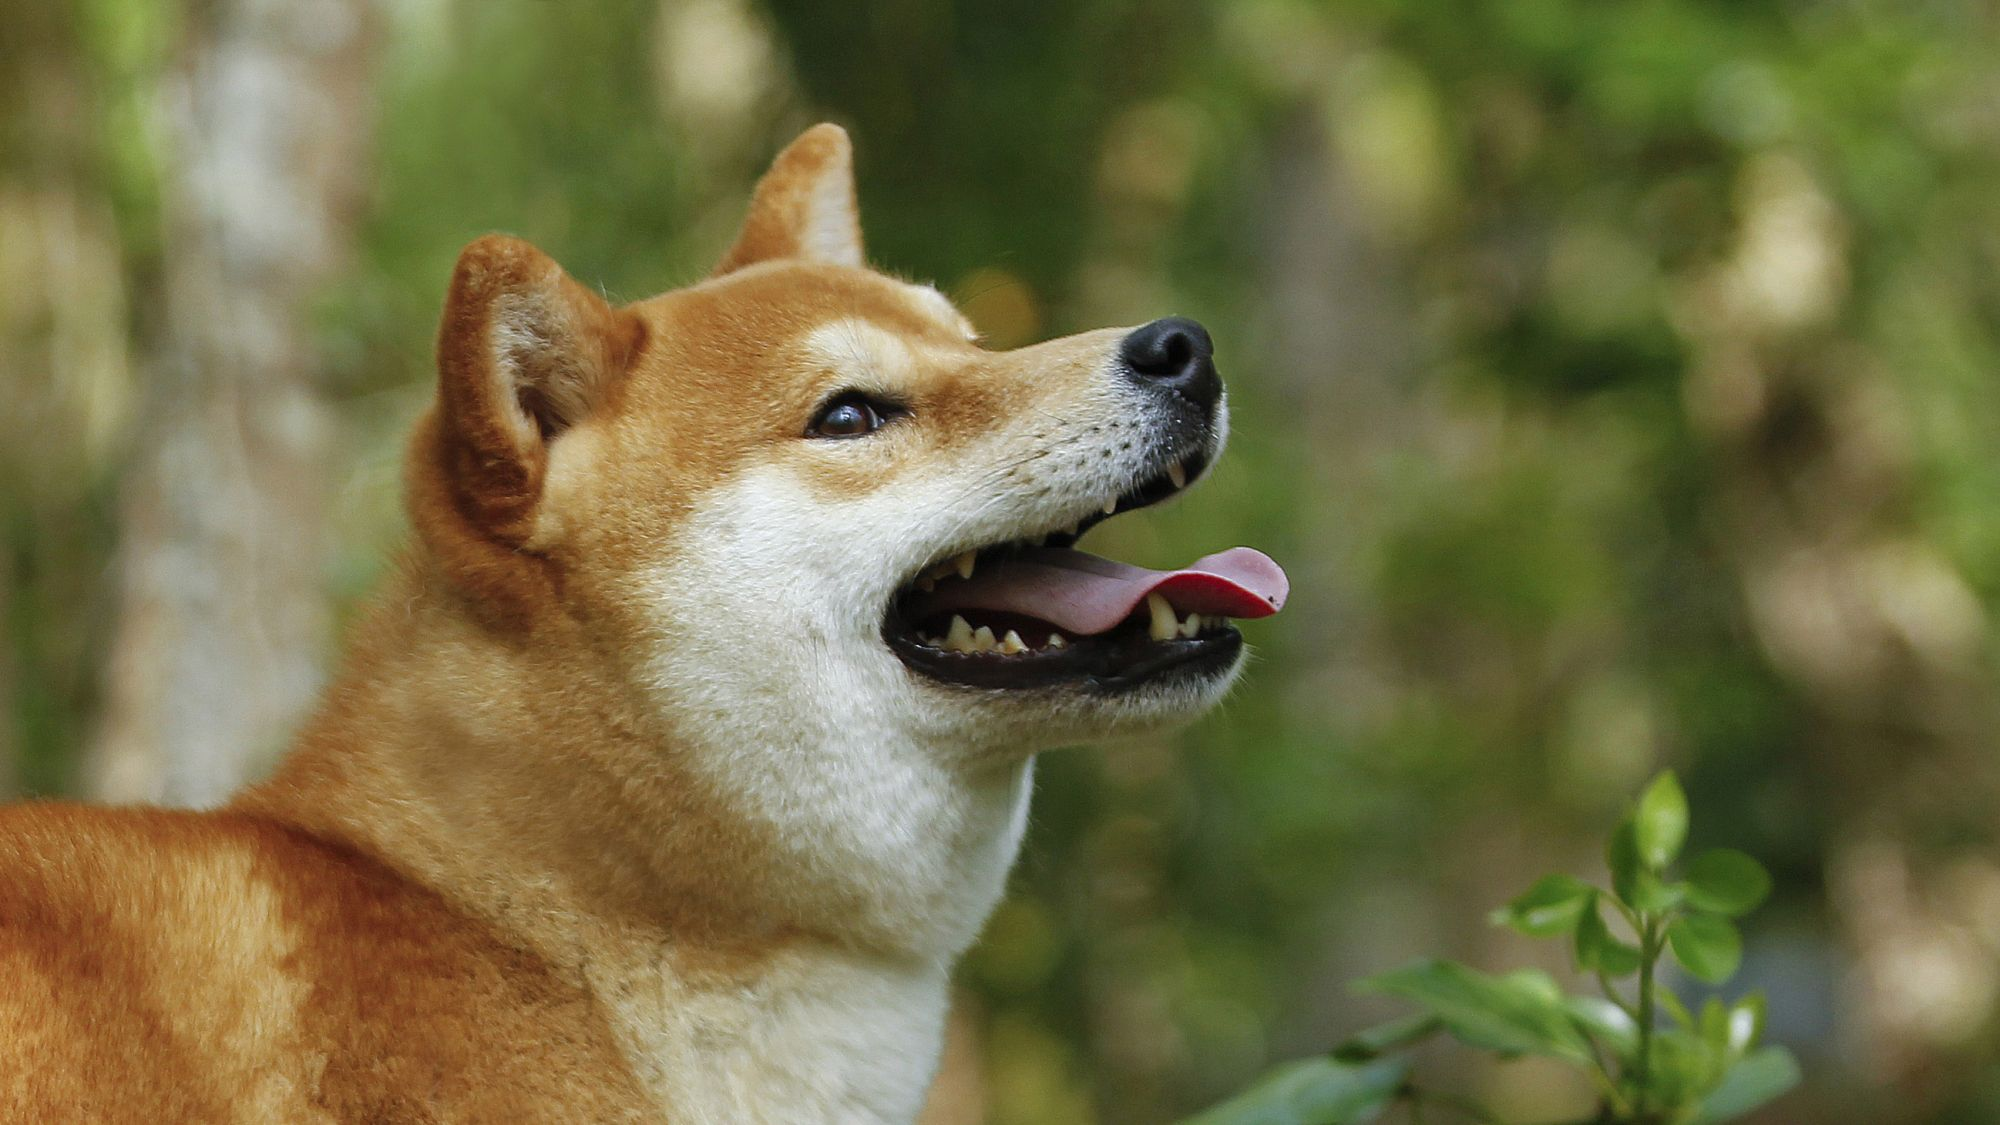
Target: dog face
{"x":760,"y":483}
{"x":817,"y":527}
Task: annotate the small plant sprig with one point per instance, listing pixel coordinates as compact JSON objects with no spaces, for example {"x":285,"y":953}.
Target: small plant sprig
{"x":1651,"y":1059}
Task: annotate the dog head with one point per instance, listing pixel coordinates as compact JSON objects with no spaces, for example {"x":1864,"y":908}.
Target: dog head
{"x":813,"y":523}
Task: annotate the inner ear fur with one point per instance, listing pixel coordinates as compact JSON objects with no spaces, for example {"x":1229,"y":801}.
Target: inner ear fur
{"x":804,"y":207}
{"x":524,"y":353}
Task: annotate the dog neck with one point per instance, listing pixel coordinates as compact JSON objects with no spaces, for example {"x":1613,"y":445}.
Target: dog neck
{"x":519,"y":778}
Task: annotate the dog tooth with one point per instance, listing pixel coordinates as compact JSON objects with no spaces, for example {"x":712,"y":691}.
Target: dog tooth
{"x":1111,"y":506}
{"x":1192,"y":625}
{"x":1012,"y":643}
{"x":959,"y":639}
{"x":1177,"y":474}
{"x":1056,"y":640}
{"x":926,"y":583}
{"x":1165,"y":624}
{"x":964,"y":563}
{"x":982,"y":639}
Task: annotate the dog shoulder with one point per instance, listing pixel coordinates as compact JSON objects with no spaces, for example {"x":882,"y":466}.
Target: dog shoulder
{"x":180,"y":966}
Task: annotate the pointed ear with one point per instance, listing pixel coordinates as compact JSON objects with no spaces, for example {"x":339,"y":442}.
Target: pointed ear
{"x":524,"y":353}
{"x":804,"y":206}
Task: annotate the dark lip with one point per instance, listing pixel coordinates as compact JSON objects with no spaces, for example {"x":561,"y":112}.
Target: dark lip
{"x":1123,"y":659}
{"x":1109,"y":663}
{"x":1151,"y":489}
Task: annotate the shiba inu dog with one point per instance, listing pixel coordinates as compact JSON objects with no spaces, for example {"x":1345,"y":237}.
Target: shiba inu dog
{"x":691,"y":743}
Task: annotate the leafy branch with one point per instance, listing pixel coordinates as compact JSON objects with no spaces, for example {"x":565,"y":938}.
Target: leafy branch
{"x":1651,"y":1059}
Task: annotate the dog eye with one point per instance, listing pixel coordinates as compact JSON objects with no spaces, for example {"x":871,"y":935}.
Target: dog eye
{"x":852,"y":415}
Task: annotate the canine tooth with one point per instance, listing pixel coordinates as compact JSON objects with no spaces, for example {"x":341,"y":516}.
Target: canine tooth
{"x":1012,"y":643}
{"x":1177,"y":474}
{"x":959,"y":639}
{"x":1165,"y":624}
{"x":1111,"y":506}
{"x":1056,"y":640}
{"x":1192,"y":625}
{"x":964,"y":563}
{"x":982,"y":639}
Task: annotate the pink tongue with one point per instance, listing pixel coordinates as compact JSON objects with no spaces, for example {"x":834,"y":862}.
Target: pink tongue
{"x":1083,"y":594}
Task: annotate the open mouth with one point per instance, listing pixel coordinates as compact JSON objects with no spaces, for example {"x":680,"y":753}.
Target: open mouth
{"x":1034,"y":612}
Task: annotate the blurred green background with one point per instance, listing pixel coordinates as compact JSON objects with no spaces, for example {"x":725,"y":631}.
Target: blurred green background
{"x":1615,"y":380}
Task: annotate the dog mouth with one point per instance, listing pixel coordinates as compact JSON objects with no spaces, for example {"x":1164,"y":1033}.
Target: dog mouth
{"x":1034,"y":612}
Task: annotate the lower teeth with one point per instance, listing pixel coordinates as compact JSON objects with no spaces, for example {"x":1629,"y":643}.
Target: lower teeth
{"x":962,"y":637}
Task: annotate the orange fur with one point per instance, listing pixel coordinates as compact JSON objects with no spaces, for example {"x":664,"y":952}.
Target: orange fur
{"x":489,"y":858}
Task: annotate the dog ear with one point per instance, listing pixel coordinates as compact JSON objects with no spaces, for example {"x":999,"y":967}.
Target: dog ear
{"x":524,"y":353}
{"x":804,"y":206}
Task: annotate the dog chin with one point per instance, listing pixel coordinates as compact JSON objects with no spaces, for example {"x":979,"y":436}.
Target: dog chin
{"x":1016,"y":723}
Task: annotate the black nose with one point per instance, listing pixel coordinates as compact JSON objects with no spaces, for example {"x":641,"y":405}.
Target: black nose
{"x":1174,"y":353}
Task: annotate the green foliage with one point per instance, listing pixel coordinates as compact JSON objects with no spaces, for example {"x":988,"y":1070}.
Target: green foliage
{"x":1706,"y":945}
{"x":1727,"y":882}
{"x":1685,"y":1069}
{"x":1759,"y":1077}
{"x":1660,"y":823}
{"x":1518,"y":1014}
{"x":1314,"y":1092}
{"x":1552,"y":906}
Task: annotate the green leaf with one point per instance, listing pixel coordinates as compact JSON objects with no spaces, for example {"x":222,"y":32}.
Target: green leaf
{"x":1519,"y":1014}
{"x":1611,"y":1024}
{"x":1660,"y":823}
{"x":1707,"y":945}
{"x":1598,"y":951}
{"x":1550,"y":907}
{"x":1762,"y":1075}
{"x":1746,"y":1024}
{"x":1650,"y":895}
{"x":1665,"y":998}
{"x":1715,"y":1025}
{"x":1683,"y":1067}
{"x":1726,"y":881}
{"x":1318,"y":1091}
{"x":1621,"y":855}
{"x":1377,"y":1041}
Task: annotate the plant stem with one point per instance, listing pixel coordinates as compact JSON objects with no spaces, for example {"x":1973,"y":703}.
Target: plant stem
{"x":1649,"y":952}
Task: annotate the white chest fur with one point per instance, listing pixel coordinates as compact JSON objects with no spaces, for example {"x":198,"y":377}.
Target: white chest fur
{"x":818,"y":1036}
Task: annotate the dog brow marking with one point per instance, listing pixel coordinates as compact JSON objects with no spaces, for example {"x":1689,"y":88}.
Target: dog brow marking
{"x":858,"y":349}
{"x":933,"y":305}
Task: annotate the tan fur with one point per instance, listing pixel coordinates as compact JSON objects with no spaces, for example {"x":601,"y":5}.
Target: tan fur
{"x":502,"y":876}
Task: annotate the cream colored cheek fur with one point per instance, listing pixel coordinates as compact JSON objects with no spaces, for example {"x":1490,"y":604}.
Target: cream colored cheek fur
{"x":768,"y":653}
{"x":901,"y":802}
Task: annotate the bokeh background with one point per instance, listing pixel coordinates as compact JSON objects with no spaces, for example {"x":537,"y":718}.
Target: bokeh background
{"x":1616,"y":381}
